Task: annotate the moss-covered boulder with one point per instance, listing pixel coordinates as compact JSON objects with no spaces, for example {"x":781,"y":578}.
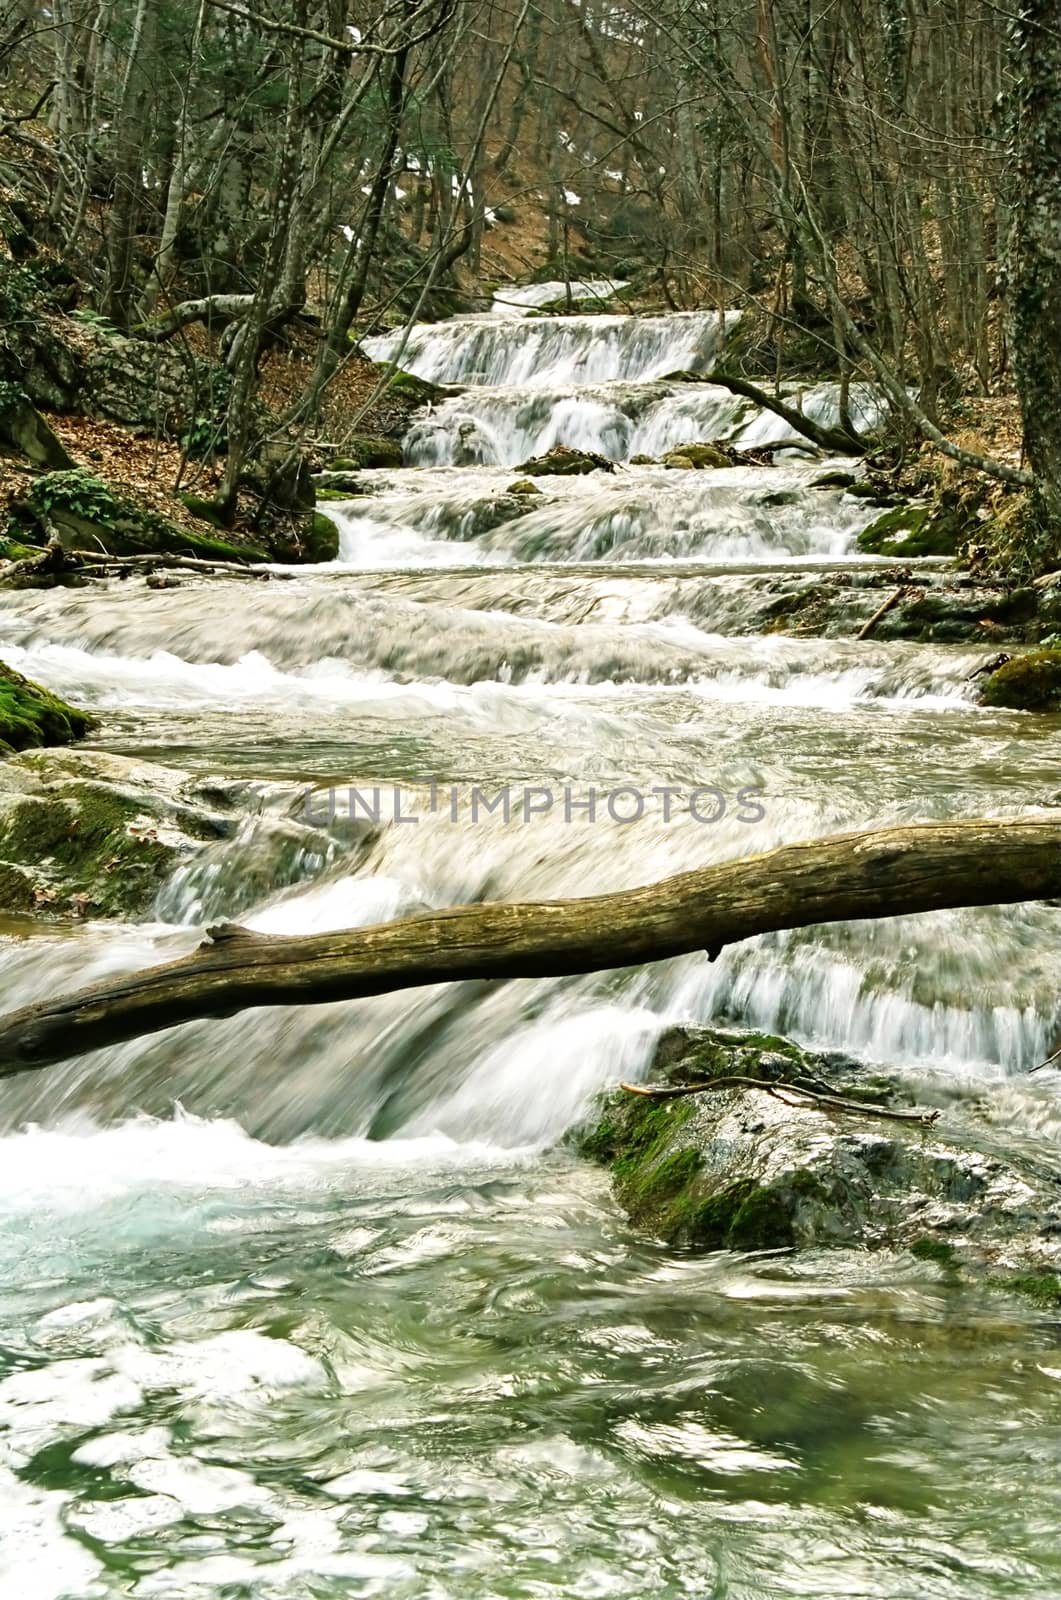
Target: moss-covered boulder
{"x":523,"y":486}
{"x":364,"y":450}
{"x":24,"y":432}
{"x":93,"y":838}
{"x":417,"y":391}
{"x":31,"y":716}
{"x":87,"y":514}
{"x":563,"y":462}
{"x":698,"y":456}
{"x":748,"y":1164}
{"x":940,"y":529}
{"x":1030,"y":682}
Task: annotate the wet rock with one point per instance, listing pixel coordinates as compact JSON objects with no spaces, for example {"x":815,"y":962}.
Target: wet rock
{"x":696,"y":456}
{"x":30,"y":715}
{"x":643,"y":461}
{"x":311,"y":538}
{"x":93,"y":835}
{"x":565,"y":463}
{"x":741,"y":1167}
{"x":87,"y":833}
{"x":523,"y":486}
{"x":339,"y":482}
{"x":1029,"y":682}
{"x":936,"y":605}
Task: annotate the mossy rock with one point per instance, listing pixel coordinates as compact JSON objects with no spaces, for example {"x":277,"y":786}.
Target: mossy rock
{"x":322,"y":540}
{"x":92,"y":848}
{"x":417,"y":390}
{"x":370,"y":450}
{"x":936,"y":530}
{"x":11,"y":550}
{"x":31,"y":716}
{"x":1027,"y":683}
{"x":664,"y":1183}
{"x":89,"y":515}
{"x":562,"y":462}
{"x":523,"y":486}
{"x":1043,"y":1289}
{"x":700,"y":456}
{"x":643,"y":461}
{"x":24,"y":430}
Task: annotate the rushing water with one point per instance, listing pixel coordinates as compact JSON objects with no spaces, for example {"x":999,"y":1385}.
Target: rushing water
{"x":314,"y":1302}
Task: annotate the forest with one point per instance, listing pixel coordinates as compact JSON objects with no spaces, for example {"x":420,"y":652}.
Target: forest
{"x":530,"y":830}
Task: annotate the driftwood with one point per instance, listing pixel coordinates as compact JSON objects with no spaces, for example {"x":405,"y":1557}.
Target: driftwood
{"x":90,"y":561}
{"x":881,"y":611}
{"x":882,"y":873}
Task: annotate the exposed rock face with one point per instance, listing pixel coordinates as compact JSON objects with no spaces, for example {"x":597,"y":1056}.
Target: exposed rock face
{"x":141,"y":384}
{"x":84,"y":833}
{"x":24,"y":430}
{"x":746,"y":1168}
{"x":936,"y":605}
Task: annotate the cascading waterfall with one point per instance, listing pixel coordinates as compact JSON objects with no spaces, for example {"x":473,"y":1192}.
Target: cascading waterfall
{"x":555,"y":350}
{"x":306,"y":1300}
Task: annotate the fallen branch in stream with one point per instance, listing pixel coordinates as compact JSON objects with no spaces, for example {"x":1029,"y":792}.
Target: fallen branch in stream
{"x":835,"y":441}
{"x":820,"y":1095}
{"x":882,"y":611}
{"x":883,"y":872}
{"x":92,"y":561}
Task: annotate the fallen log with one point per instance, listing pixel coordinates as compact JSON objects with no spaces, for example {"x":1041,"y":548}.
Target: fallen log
{"x":880,"y":873}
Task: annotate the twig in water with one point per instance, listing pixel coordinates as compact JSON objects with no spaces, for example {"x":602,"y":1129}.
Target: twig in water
{"x":1048,"y":1062}
{"x":835,"y":1102}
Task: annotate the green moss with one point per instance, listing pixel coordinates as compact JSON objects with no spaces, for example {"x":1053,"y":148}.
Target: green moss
{"x":898,"y":532}
{"x":698,"y":456}
{"x":90,"y":845}
{"x":206,"y":509}
{"x":1027,"y":683}
{"x":369,"y":450}
{"x":654,"y":1187}
{"x":418,"y":390}
{"x":559,"y":462}
{"x":335,"y":494}
{"x":751,"y":1216}
{"x":322,"y":542}
{"x":30,"y":715}
{"x":936,"y":1250}
{"x":89,"y":515}
{"x":10,"y":550}
{"x":1042,"y":1288}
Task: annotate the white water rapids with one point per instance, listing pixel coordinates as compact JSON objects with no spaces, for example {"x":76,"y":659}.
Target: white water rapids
{"x":311,"y":1302}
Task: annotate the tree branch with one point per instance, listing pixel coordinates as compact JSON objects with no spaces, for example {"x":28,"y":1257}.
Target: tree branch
{"x":837,"y":440}
{"x":884,"y":872}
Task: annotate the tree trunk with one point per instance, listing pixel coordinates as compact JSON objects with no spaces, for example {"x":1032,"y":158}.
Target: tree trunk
{"x":1035,"y":268}
{"x":881,"y":873}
